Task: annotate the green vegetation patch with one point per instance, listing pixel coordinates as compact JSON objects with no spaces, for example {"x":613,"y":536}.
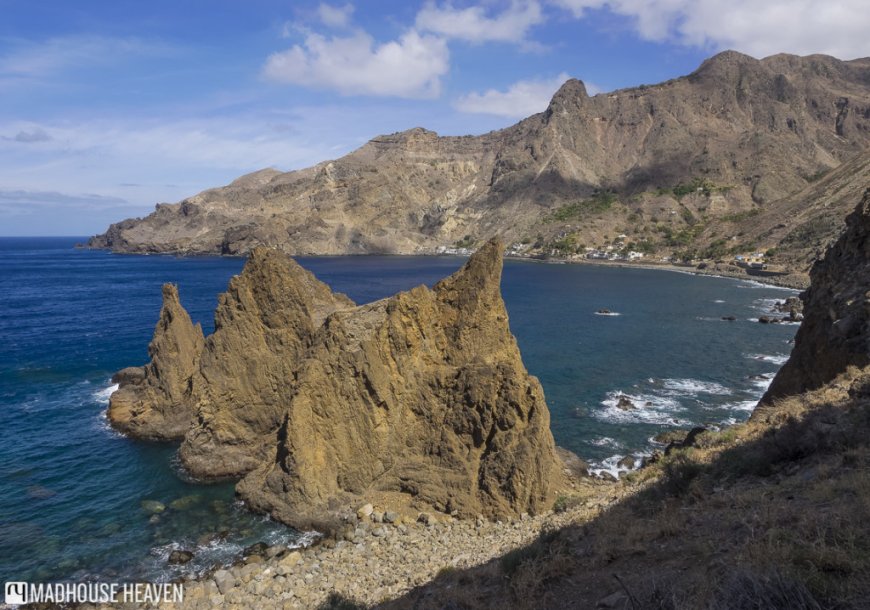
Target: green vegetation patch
{"x":597,"y":204}
{"x":740,"y":216}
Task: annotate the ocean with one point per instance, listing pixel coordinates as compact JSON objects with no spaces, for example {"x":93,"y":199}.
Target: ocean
{"x":72,"y":490}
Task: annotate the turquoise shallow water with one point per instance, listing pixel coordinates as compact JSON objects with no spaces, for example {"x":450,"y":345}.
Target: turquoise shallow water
{"x":71,"y":489}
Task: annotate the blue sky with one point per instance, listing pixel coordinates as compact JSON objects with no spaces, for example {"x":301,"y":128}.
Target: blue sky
{"x":107,"y":108}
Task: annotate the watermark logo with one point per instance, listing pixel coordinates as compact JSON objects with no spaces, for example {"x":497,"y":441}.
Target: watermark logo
{"x":16,"y":593}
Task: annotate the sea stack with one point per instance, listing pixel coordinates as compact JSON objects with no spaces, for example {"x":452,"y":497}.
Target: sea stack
{"x":423,"y":393}
{"x":321,"y":404}
{"x":155,"y":401}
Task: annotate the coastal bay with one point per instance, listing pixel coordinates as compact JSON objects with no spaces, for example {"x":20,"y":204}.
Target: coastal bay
{"x":74,"y":317}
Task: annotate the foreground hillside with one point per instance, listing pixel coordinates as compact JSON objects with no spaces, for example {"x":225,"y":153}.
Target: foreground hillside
{"x":672,"y":168}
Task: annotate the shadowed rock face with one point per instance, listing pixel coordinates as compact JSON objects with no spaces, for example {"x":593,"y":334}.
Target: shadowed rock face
{"x":156,"y":401}
{"x":835,"y":332}
{"x":320,"y":401}
{"x":423,"y":393}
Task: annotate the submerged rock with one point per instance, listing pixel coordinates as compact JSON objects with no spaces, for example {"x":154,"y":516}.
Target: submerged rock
{"x":179,"y":557}
{"x":625,"y":403}
{"x":152,"y":506}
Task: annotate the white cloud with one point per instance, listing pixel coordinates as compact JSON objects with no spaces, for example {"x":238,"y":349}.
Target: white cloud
{"x":335,"y":16}
{"x":473,"y":24}
{"x":521,"y":99}
{"x":166,"y":159}
{"x":409,"y":67}
{"x":759,"y":28}
{"x":37,"y":59}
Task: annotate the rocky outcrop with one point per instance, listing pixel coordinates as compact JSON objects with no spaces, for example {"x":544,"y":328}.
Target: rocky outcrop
{"x":735,"y":135}
{"x":423,"y":396}
{"x":224,"y":395}
{"x":156,"y":401}
{"x":264,"y":324}
{"x":423,"y":393}
{"x":835,"y":332}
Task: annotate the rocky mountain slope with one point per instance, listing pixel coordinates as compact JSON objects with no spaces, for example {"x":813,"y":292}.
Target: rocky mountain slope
{"x":420,"y":399}
{"x":663,"y":168}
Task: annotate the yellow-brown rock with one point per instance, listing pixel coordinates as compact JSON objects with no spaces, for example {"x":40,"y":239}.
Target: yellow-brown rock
{"x":423,"y":393}
{"x":264,"y":323}
{"x":155,"y":401}
{"x":319,"y":403}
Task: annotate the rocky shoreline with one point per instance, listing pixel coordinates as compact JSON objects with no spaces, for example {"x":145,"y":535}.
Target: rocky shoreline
{"x":793,"y":281}
{"x":370,"y":561}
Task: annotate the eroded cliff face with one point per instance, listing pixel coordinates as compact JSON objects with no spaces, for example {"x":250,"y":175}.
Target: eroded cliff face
{"x":156,"y":401}
{"x":835,"y":332}
{"x":423,"y":393}
{"x":320,"y":403}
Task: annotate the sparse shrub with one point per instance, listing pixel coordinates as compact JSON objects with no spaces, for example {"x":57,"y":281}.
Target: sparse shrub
{"x":696,"y":185}
{"x":511,"y":561}
{"x":740,"y":216}
{"x":564,"y":503}
{"x":747,"y":590}
{"x":335,"y":601}
{"x":680,"y":471}
{"x":599,"y":202}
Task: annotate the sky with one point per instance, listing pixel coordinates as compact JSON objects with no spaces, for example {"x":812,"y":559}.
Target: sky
{"x":109,"y":107}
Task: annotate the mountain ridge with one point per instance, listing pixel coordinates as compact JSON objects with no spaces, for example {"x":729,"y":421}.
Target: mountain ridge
{"x":729,"y":138}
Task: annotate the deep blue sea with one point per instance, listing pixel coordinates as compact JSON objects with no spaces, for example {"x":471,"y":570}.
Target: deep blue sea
{"x":71,"y":489}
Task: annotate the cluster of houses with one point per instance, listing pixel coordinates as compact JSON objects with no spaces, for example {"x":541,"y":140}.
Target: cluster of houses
{"x":611,"y":254}
{"x":454,"y":250}
{"x":751,"y":261}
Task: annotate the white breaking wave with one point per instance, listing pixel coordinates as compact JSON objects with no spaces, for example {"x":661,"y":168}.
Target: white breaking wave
{"x":611,"y":464}
{"x":762,"y":382}
{"x":777,"y":359}
{"x":648,"y":408}
{"x":607,"y":313}
{"x":754,"y":284}
{"x":743,"y":405}
{"x":102,"y":396}
{"x":692,"y":387}
{"x":606,"y":441}
{"x":765,"y":305}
